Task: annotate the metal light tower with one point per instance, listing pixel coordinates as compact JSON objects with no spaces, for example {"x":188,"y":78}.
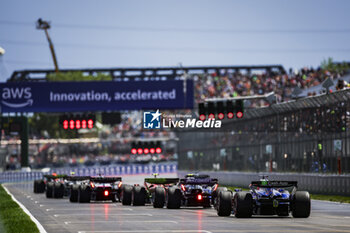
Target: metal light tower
{"x":45,"y":25}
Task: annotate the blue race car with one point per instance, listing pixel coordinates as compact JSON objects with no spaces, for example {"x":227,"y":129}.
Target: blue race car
{"x":266,"y":198}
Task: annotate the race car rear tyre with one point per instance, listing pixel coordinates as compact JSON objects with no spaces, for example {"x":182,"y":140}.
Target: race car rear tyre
{"x":139,"y":196}
{"x":49,"y":189}
{"x":39,"y":186}
{"x":301,"y":204}
{"x":74,"y":193}
{"x":224,"y":203}
{"x":159,"y":197}
{"x":84,"y":194}
{"x":174,"y":198}
{"x":243,"y":205}
{"x":58,"y":190}
{"x":127,"y":194}
{"x":216,"y":193}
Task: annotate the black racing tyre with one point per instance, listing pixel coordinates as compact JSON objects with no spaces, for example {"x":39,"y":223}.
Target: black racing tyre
{"x":174,"y":198}
{"x":84,"y":193}
{"x":301,"y":204}
{"x":58,"y":190}
{"x":49,"y":189}
{"x":215,"y":194}
{"x":243,"y":205}
{"x":39,"y":186}
{"x":224,"y":203}
{"x":159,"y":197}
{"x":139,"y":196}
{"x":74,"y":189}
{"x":127,"y":194}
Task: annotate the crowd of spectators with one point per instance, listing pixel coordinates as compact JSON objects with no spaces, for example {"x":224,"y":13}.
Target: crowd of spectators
{"x":225,"y":84}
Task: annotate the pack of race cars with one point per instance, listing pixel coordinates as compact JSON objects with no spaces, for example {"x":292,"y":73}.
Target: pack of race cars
{"x":265,"y":197}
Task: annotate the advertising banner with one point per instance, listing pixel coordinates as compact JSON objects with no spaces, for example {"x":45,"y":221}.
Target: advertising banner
{"x":95,"y":96}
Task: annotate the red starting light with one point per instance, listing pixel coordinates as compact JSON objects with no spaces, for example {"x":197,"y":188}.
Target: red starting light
{"x":199,"y":197}
{"x":221,"y":116}
{"x":78,"y":124}
{"x":146,"y":151}
{"x":106,"y":193}
{"x":90,"y":123}
{"x":83,"y":124}
{"x":239,"y":114}
{"x":152,"y":150}
{"x":139,"y":151}
{"x":230,"y":115}
{"x":65,"y":124}
{"x":133,"y":151}
{"x":158,"y":150}
{"x":211,"y":116}
{"x":202,"y":117}
{"x":71,"y":124}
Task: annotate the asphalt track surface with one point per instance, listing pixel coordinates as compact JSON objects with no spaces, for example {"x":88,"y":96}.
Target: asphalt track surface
{"x":59,"y":215}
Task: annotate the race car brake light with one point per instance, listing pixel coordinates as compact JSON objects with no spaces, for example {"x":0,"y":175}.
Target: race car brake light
{"x":106,"y":193}
{"x":120,"y":184}
{"x":183,"y":187}
{"x":215,"y":187}
{"x":92,"y":184}
{"x":199,"y":197}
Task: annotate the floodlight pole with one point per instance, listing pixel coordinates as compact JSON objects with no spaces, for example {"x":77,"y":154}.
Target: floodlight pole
{"x":45,"y":25}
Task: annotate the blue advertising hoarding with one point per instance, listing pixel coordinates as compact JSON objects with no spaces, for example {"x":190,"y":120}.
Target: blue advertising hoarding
{"x":95,"y":96}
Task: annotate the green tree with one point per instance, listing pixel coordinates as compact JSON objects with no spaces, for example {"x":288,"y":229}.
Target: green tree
{"x":328,"y":64}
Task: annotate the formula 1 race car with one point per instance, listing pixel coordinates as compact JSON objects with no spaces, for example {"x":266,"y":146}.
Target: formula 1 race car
{"x":97,"y":188}
{"x":51,"y":184}
{"x":266,"y":198}
{"x":198,"y":190}
{"x":154,"y":191}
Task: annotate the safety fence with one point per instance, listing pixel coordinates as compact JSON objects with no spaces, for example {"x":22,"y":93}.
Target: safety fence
{"x":314,"y":183}
{"x":18,"y":176}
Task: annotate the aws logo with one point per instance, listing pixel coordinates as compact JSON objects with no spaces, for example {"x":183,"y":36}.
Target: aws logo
{"x":16,"y":97}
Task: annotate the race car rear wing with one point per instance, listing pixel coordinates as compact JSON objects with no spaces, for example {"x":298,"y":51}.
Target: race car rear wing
{"x":52,"y":177}
{"x":208,"y":181}
{"x":162,"y":180}
{"x":274,"y":184}
{"x":109,"y":179}
{"x":78,"y":178}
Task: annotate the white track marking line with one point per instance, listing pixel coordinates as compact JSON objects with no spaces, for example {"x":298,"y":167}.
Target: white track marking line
{"x":195,"y":231}
{"x":37,"y":223}
{"x":124,"y":221}
{"x":58,"y":215}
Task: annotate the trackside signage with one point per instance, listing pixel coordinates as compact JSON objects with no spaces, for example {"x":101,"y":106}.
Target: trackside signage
{"x":94,"y":96}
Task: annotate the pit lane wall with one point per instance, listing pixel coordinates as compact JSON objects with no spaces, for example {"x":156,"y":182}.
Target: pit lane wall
{"x":314,"y":183}
{"x":119,"y":170}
